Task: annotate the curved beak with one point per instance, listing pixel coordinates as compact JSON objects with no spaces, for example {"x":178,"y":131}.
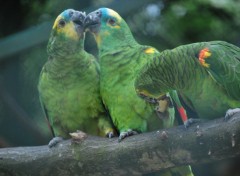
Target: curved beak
{"x":78,"y":18}
{"x":93,"y":21}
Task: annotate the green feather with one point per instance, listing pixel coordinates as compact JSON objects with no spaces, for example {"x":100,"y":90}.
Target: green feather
{"x":121,"y":59}
{"x":69,"y":85}
{"x":210,"y":91}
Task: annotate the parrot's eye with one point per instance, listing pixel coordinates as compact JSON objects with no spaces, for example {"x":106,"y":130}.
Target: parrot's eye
{"x":112,"y":22}
{"x":61,"y":23}
{"x":98,"y":13}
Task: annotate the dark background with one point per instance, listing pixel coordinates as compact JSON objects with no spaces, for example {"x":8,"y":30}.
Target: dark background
{"x":25,"y":27}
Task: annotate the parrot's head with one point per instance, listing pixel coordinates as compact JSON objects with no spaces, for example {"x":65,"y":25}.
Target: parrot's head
{"x":67,"y":32}
{"x":109,"y":28}
{"x":147,"y":90}
{"x":145,"y":86}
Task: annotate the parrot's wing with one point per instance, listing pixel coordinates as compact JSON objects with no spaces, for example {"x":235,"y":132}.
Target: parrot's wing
{"x":46,"y":116}
{"x":45,"y":111}
{"x":224,"y":66}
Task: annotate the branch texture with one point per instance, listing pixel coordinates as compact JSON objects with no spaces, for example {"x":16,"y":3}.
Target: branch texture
{"x":204,"y":142}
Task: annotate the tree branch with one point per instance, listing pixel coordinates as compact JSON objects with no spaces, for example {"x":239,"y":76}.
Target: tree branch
{"x":204,"y":142}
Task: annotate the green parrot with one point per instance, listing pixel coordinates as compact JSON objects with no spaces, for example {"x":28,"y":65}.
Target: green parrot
{"x":69,"y":87}
{"x":121,"y":58}
{"x":206,"y":74}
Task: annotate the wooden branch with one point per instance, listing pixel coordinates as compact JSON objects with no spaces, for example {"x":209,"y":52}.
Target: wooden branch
{"x":204,"y":142}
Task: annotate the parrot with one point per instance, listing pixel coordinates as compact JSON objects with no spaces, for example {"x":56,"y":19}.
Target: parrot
{"x":121,"y":58}
{"x":206,"y":75}
{"x":69,"y":87}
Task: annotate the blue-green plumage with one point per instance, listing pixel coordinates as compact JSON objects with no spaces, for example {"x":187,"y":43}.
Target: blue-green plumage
{"x":69,"y":81}
{"x":121,"y":58}
{"x":206,"y":74}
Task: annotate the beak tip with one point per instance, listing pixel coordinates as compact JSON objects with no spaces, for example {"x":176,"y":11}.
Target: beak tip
{"x":91,"y":22}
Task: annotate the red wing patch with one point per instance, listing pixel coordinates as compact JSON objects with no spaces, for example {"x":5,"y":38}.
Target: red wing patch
{"x":203,"y":55}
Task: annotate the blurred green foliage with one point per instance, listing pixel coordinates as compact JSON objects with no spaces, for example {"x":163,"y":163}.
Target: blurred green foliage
{"x":167,"y":24}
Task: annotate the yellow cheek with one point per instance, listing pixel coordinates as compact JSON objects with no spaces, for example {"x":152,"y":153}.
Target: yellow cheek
{"x":99,"y":37}
{"x":69,"y":31}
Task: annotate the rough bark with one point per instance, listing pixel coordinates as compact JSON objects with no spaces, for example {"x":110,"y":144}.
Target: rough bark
{"x":144,"y":153}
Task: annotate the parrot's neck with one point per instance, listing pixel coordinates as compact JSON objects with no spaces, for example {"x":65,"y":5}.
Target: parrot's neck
{"x":109,"y":45}
{"x":63,"y":48}
{"x":62,"y":66}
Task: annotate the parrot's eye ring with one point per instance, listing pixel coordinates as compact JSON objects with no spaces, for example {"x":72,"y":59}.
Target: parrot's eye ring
{"x":112,"y":22}
{"x":98,"y":13}
{"x":61,"y":23}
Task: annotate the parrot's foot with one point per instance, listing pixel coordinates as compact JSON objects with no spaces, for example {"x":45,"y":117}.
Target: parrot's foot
{"x":230,"y":113}
{"x":190,"y":121}
{"x":78,"y":136}
{"x":110,"y":134}
{"x":125,"y":134}
{"x":54,"y":141}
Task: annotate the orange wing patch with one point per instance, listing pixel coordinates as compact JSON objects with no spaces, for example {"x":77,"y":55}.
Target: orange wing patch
{"x":204,"y":54}
{"x":150,"y":51}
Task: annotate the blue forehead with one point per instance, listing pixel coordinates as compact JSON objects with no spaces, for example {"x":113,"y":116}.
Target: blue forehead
{"x":105,"y":12}
{"x":65,"y":14}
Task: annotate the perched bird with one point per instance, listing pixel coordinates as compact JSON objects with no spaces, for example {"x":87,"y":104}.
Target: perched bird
{"x":121,"y":58}
{"x":69,"y":87}
{"x":206,"y":74}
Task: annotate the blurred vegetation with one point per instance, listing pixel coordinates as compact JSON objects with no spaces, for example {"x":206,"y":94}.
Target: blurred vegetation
{"x":167,"y":24}
{"x":161,"y":23}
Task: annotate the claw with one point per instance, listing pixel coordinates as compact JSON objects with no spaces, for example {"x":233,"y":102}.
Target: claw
{"x":78,"y":136}
{"x":230,"y":113}
{"x":54,"y":141}
{"x":125,"y":134}
{"x":110,"y":135}
{"x":190,"y":121}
